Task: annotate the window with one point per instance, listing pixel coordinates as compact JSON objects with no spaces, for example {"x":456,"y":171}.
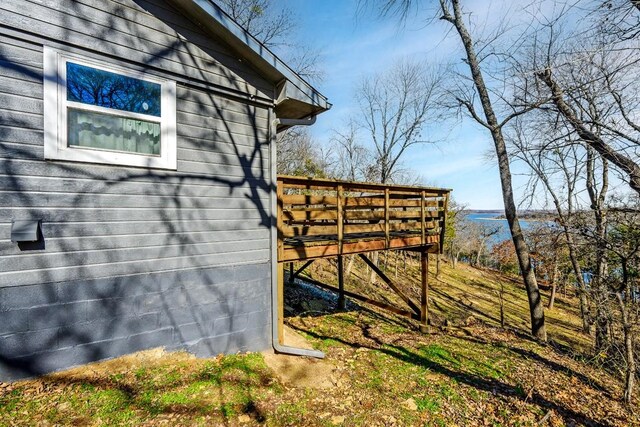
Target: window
{"x":107,"y":114}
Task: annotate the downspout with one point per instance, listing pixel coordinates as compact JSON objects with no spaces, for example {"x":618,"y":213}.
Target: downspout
{"x":277,"y":345}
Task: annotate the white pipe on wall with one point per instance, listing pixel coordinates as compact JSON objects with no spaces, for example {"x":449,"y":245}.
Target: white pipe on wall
{"x":277,"y":346}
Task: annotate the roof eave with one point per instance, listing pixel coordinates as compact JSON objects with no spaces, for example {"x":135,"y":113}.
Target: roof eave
{"x":294,"y":91}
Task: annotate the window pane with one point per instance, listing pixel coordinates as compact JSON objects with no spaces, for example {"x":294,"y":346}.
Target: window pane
{"x":105,"y":89}
{"x":107,"y":132}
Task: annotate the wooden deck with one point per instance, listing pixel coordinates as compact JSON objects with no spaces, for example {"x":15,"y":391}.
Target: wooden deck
{"x":319,"y":218}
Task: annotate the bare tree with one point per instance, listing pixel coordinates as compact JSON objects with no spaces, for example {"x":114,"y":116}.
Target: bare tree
{"x":481,"y":233}
{"x":259,"y":17}
{"x":456,"y":226}
{"x":557,"y":165}
{"x":546,"y":243}
{"x":597,"y":195}
{"x":452,"y":13}
{"x":395,"y":108}
{"x":352,"y":160}
{"x":591,"y":81}
{"x":618,"y":18}
{"x":299,"y":155}
{"x":622,"y":244}
{"x":275,"y":26}
{"x":626,"y":163}
{"x":478,"y":96}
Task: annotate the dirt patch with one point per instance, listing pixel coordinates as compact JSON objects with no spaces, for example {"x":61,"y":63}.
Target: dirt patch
{"x":297,"y":371}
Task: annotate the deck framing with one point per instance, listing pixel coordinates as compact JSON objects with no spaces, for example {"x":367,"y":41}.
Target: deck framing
{"x":321,"y":218}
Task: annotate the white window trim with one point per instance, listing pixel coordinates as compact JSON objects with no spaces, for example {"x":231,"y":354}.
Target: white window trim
{"x":55,"y":116}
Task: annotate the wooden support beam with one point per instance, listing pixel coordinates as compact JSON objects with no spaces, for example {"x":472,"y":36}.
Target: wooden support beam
{"x":318,"y":229}
{"x":424,"y":294}
{"x":390,"y":283}
{"x":291,"y":276}
{"x":341,"y":301}
{"x":354,"y":202}
{"x":358,"y":297}
{"x":371,"y":215}
{"x":301,"y":269}
{"x":329,"y":249}
{"x":357,"y":187}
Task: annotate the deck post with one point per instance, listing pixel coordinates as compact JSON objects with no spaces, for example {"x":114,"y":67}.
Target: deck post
{"x":424,"y":295}
{"x":291,"y":276}
{"x":387,"y":237}
{"x":281,"y":303}
{"x":341,"y":301}
{"x":340,"y":217}
{"x":422,"y":218}
{"x":443,"y":224}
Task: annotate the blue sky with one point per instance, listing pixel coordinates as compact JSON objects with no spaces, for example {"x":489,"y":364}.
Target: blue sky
{"x":353,"y":45}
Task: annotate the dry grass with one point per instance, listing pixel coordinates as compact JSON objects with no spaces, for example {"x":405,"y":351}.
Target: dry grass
{"x":463,"y":293}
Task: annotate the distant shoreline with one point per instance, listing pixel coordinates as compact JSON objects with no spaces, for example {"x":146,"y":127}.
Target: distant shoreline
{"x":530,"y":216}
{"x":504,"y":219}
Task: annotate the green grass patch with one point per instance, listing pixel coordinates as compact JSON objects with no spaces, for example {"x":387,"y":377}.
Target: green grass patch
{"x":431,"y":405}
{"x":438,"y":354}
{"x":291,"y":413}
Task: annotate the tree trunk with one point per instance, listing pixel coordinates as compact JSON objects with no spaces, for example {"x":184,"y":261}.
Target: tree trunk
{"x":630,"y":371}
{"x":456,"y":258}
{"x":629,"y":382}
{"x":597,"y":198}
{"x":582,"y":287}
{"x":479,"y":254}
{"x":602,"y":321}
{"x":372,"y":275}
{"x":395,"y":262}
{"x":554,"y":283}
{"x":536,"y":307}
{"x":552,"y":298}
{"x":350,"y":265}
{"x":404,"y":262}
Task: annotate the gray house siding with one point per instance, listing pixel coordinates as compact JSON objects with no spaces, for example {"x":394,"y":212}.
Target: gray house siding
{"x":133,"y":258}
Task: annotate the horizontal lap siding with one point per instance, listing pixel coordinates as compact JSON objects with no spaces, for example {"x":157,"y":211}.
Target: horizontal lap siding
{"x":207,"y":311}
{"x":127,"y":30}
{"x":107,"y":221}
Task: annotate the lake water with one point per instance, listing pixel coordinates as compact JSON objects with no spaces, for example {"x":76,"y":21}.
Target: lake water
{"x":492,"y":218}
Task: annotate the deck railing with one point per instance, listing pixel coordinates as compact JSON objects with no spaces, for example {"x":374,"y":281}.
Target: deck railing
{"x":321,"y":218}
{"x":329,"y":217}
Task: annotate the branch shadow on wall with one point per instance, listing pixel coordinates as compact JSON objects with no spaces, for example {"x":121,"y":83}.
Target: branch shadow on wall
{"x":138,"y":258}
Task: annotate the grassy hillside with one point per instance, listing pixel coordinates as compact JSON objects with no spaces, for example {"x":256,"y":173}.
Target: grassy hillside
{"x":463,"y":294}
{"x":379,"y":369}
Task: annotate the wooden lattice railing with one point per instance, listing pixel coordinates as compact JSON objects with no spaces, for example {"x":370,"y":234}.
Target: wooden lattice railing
{"x":321,"y":217}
